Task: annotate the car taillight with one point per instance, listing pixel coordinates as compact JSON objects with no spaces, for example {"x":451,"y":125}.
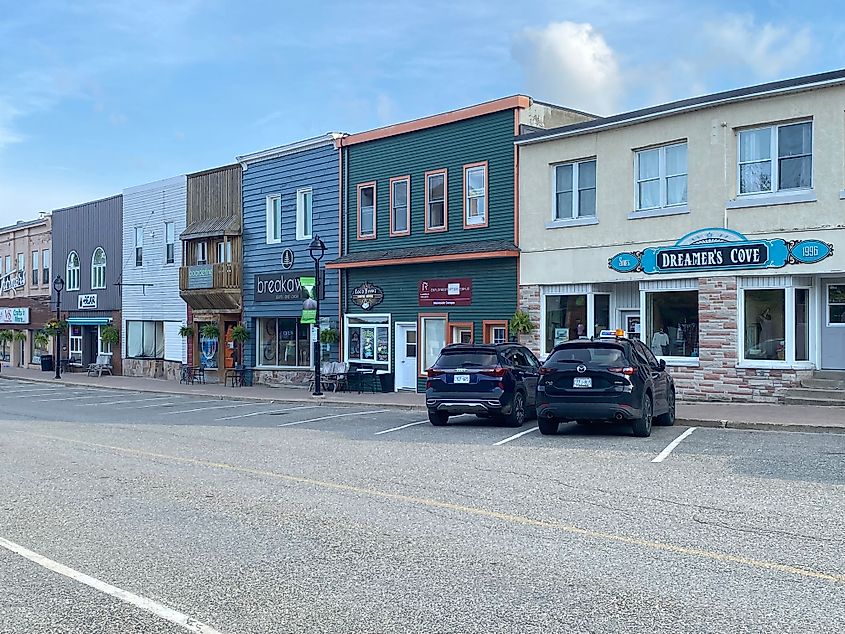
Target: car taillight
{"x":545,"y":370}
{"x":427,"y":384}
{"x":625,"y":371}
{"x":432,"y":372}
{"x":497,"y":371}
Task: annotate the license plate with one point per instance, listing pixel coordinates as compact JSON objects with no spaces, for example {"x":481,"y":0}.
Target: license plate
{"x":582,"y":381}
{"x":461,"y":378}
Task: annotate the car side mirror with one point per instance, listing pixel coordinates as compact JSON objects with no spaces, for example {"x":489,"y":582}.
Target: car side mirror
{"x":662,"y":364}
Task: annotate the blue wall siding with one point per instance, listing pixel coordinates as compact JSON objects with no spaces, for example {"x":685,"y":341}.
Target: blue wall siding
{"x":315,"y":168}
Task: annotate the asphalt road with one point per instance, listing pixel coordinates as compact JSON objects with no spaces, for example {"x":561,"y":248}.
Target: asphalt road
{"x":256,"y":518}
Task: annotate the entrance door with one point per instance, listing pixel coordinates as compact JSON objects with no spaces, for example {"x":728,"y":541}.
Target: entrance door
{"x":91,"y":345}
{"x":833,"y":324}
{"x":406,"y":357}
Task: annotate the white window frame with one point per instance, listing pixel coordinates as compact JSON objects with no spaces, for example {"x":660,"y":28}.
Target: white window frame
{"x":258,"y":356}
{"x":429,"y":201}
{"x":497,"y":339}
{"x":36,"y":267}
{"x":828,"y":304}
{"x":272,"y":225}
{"x":74,"y":342}
{"x":575,"y":211}
{"x":98,"y":271}
{"x":72,"y":273}
{"x":373,"y":210}
{"x":773,"y":160}
{"x":423,"y":317}
{"x":303,"y":195}
{"x":673,"y":360}
{"x":102,"y":347}
{"x":224,"y":252}
{"x":169,"y":243}
{"x":788,"y":361}
{"x":480,"y":220}
{"x":201,"y":249}
{"x":662,"y":177}
{"x":139,"y":246}
{"x":370,"y":321}
{"x":46,"y":263}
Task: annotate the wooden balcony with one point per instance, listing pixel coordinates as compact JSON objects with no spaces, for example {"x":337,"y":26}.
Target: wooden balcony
{"x":211,"y":286}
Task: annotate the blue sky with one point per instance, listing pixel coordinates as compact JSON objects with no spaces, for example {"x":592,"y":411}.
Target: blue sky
{"x":99,"y":95}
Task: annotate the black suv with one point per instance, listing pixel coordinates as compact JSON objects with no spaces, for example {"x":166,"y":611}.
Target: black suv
{"x":491,"y":380}
{"x":608,"y":378}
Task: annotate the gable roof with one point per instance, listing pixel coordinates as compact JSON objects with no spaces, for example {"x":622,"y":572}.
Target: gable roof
{"x":770,"y":89}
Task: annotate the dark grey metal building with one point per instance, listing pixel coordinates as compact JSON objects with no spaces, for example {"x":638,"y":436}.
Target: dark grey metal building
{"x":87,"y":254}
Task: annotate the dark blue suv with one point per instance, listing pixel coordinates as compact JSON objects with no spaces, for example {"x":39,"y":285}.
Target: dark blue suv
{"x":491,"y":380}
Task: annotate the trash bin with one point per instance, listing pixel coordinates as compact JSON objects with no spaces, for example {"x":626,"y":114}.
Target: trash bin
{"x":47,"y":363}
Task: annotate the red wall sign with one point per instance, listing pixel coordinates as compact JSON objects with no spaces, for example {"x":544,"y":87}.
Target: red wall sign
{"x":449,"y":292}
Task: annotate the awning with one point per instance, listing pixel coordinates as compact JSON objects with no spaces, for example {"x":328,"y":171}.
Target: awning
{"x":89,"y":321}
{"x":211,"y":227}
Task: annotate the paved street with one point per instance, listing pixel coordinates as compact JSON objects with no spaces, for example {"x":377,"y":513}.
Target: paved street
{"x":247,"y":517}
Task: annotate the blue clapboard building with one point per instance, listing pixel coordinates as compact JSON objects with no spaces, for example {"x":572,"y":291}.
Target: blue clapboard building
{"x":290,"y":194}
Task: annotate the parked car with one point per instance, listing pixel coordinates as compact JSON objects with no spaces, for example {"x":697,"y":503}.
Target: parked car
{"x":610,"y":378}
{"x":490,"y":380}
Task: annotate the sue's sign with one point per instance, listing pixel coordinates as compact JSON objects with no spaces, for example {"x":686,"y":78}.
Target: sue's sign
{"x":720,"y":249}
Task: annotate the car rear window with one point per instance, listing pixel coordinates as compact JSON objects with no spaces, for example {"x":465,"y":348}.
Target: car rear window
{"x":607,"y":355}
{"x":467,"y":359}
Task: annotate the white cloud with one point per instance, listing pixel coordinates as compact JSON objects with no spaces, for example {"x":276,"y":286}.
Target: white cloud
{"x":570,"y":64}
{"x":767,"y":49}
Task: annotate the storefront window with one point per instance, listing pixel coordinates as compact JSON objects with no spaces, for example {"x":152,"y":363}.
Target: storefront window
{"x":75,"y":342}
{"x":836,"y":304}
{"x":433,"y":339}
{"x":566,"y":318}
{"x":368,"y":339}
{"x":35,"y":350}
{"x":601,"y":313}
{"x":672,"y":323}
{"x":144,"y":339}
{"x":765,"y":325}
{"x":284,"y":342}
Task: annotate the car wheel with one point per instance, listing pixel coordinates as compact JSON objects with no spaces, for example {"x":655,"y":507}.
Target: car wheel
{"x":548,"y":426}
{"x":642,"y":426}
{"x":438,"y":419}
{"x":517,"y":416}
{"x":668,"y":419}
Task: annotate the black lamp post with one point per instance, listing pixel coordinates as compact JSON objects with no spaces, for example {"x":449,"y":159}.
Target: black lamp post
{"x":58,"y":286}
{"x":317,"y":249}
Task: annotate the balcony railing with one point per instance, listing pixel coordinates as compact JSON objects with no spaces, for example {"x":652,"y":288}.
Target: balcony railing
{"x":210,"y":276}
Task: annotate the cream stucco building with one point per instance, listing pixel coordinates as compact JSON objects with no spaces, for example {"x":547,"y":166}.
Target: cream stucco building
{"x":713,"y":228}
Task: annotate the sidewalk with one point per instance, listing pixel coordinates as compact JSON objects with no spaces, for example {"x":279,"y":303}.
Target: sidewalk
{"x":725,"y":415}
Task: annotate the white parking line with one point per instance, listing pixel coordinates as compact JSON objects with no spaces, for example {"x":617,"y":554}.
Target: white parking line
{"x":515,"y":436}
{"x":205,"y":409}
{"x":137,"y":400}
{"x":387,"y":431}
{"x":314,"y":420}
{"x":148,"y":605}
{"x":65,"y":398}
{"x":29,"y":392}
{"x":277,"y":411}
{"x":170,"y":402}
{"x":671,"y":446}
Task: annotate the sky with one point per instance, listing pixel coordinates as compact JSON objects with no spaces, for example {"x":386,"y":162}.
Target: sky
{"x":100,"y":95}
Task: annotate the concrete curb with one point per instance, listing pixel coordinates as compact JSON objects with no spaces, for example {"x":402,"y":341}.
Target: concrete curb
{"x":760,"y":426}
{"x":307,"y":398}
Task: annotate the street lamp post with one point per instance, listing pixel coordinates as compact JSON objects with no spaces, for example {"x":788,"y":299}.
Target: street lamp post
{"x":58,"y":286}
{"x":317,"y":249}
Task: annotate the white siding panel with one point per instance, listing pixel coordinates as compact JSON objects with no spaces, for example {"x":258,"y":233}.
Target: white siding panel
{"x":151,"y":291}
{"x":687,"y":284}
{"x":174,"y":345}
{"x":770,"y":281}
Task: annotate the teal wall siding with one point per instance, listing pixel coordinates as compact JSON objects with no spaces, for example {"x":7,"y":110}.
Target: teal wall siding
{"x":486,"y":138}
{"x":494,"y":291}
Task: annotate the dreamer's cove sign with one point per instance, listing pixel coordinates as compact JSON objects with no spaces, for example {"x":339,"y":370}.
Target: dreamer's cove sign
{"x":720,"y":249}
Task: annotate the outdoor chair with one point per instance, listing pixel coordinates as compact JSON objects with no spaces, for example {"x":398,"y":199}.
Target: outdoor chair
{"x":103,"y":364}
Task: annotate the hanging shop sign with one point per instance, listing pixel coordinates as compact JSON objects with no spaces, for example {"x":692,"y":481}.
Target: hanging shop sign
{"x":367,"y":295}
{"x":447,"y":292}
{"x":282,"y":287}
{"x":12,"y":281}
{"x":309,"y":306}
{"x":200,"y":276}
{"x":720,"y":249}
{"x":86,"y":301}
{"x":14,"y":315}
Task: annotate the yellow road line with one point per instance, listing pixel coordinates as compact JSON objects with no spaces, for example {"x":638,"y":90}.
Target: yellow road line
{"x":470,"y":510}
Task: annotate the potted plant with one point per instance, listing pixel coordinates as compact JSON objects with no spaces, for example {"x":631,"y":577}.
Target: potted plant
{"x":55,"y":327}
{"x":110,"y":335}
{"x":210,"y":331}
{"x":329,"y":336}
{"x":240,"y":335}
{"x":521,"y":323}
{"x":186,"y":332}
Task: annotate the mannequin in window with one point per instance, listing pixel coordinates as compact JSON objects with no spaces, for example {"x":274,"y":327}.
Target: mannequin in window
{"x":764,"y":321}
{"x":580,"y":330}
{"x":660,"y":342}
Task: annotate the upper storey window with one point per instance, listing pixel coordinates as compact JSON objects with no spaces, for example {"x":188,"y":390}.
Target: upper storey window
{"x":776,"y":158}
{"x":366,"y":211}
{"x":575,"y":190}
{"x":661,"y":175}
{"x":436,"y":207}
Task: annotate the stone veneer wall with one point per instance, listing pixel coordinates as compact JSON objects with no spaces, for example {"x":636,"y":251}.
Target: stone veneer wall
{"x":152,"y":368}
{"x":717,"y":378}
{"x":286,"y":378}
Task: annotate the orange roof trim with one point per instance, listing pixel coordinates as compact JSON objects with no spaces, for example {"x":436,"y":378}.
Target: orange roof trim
{"x":488,"y":107}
